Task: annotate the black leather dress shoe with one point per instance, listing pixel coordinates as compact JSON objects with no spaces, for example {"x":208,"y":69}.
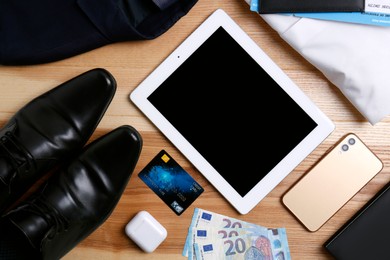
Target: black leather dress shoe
{"x":50,"y":129}
{"x":77,"y":200}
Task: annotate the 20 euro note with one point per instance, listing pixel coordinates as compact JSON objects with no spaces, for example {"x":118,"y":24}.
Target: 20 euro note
{"x":201,"y":234}
{"x":267,"y":246}
{"x":204,"y":218}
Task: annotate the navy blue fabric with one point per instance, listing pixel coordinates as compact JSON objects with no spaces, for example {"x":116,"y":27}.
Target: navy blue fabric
{"x":41,"y":31}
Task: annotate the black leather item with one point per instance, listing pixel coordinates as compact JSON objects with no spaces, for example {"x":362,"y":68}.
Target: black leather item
{"x":77,"y":200}
{"x":297,"y":6}
{"x":50,"y":129}
{"x":366,"y":234}
{"x":41,"y":31}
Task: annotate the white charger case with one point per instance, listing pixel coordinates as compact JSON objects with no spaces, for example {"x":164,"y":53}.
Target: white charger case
{"x":146,"y":231}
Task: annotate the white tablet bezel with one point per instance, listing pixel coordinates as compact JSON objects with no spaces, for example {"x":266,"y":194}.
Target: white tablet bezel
{"x":140,"y":94}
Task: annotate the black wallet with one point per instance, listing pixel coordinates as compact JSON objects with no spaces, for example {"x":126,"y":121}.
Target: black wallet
{"x":303,"y":6}
{"x":366,"y":234}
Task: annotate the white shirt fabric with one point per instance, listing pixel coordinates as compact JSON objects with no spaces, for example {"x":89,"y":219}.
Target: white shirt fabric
{"x":354,"y":57}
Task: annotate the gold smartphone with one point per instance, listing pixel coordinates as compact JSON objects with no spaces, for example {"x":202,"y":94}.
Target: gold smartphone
{"x":332,"y":182}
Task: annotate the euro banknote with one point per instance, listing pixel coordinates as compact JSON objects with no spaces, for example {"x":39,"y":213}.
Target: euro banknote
{"x":203,"y":218}
{"x":215,"y":236}
{"x":267,"y":246}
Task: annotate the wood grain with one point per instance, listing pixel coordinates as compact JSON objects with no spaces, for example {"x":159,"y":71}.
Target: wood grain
{"x":130,"y":63}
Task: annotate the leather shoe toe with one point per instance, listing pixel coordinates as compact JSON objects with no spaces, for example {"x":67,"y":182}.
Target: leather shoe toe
{"x":49,"y":129}
{"x":77,"y":200}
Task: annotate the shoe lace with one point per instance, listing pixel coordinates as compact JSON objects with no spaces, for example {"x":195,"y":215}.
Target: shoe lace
{"x":20,"y":159}
{"x":57,"y":223}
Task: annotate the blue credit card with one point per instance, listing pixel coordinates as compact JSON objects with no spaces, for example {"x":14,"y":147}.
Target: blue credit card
{"x":170,"y":182}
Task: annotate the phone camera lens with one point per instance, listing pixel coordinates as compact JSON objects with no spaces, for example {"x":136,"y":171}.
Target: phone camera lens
{"x":345,"y":147}
{"x":351,"y":141}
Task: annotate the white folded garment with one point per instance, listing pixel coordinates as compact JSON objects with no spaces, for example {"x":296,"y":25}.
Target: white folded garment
{"x":354,"y":57}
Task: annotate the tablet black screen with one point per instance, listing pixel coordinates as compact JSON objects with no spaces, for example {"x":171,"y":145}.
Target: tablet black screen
{"x":235,"y":115}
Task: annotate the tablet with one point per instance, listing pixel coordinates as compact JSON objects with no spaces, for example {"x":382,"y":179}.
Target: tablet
{"x":231,"y":111}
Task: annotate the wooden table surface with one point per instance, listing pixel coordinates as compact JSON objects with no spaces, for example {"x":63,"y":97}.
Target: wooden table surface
{"x":130,"y":63}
